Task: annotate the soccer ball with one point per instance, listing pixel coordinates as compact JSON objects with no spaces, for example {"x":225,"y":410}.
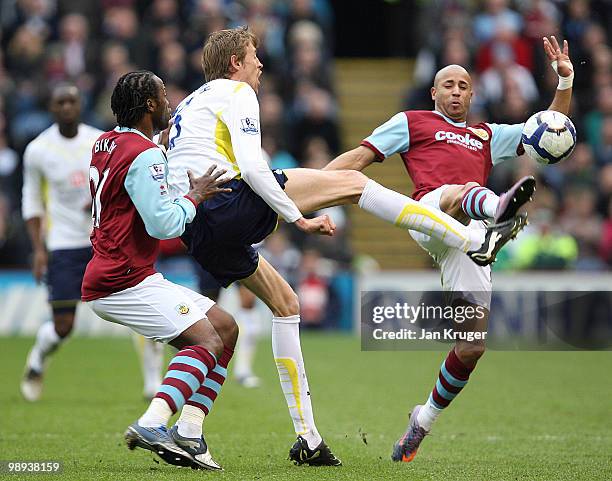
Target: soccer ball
{"x":548,"y":137}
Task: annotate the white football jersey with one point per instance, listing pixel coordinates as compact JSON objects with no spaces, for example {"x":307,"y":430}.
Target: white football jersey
{"x":219,"y":124}
{"x":56,"y":185}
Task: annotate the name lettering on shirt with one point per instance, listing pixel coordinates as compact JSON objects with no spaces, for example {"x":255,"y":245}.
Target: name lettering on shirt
{"x":466,"y":140}
{"x":104,"y":145}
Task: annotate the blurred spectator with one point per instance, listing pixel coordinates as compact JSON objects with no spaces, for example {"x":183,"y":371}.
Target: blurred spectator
{"x":544,"y":246}
{"x":603,"y":151}
{"x":505,"y":74}
{"x":605,"y":245}
{"x":507,"y":46}
{"x":312,"y":290}
{"x":496,"y":13}
{"x":121,"y":25}
{"x":314,"y":111}
{"x":605,"y":190}
{"x":115,"y":63}
{"x":581,"y":221}
{"x":594,"y":119}
{"x":579,"y":169}
{"x":282,"y":255}
{"x":76,"y":54}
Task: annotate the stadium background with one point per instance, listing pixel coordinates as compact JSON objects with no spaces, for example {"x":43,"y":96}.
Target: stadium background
{"x":334,"y":70}
{"x":329,"y":79}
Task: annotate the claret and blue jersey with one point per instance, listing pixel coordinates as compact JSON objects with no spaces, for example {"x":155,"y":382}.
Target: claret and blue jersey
{"x":132,"y":210}
{"x":438,"y":151}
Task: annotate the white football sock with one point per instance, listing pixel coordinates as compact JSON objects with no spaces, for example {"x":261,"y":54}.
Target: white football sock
{"x":157,"y":414}
{"x":190,"y":422}
{"x":490,"y":204}
{"x":152,"y":359}
{"x":290,"y":364}
{"x":247,"y":342}
{"x":409,"y":214}
{"x":46,"y":342}
{"x":427,"y":415}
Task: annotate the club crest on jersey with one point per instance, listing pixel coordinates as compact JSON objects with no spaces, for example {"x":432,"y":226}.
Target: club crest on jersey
{"x":182,"y":309}
{"x":249,"y":126}
{"x":482,"y":133}
{"x":157,"y":171}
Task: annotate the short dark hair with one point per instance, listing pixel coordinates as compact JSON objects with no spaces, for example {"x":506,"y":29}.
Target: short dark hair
{"x":129,"y":99}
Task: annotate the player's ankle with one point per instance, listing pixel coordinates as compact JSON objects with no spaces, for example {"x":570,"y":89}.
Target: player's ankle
{"x":312,"y":438}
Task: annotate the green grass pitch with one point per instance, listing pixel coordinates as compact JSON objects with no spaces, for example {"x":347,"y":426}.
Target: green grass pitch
{"x":523,"y":416}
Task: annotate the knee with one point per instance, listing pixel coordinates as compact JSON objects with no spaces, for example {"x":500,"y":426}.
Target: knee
{"x":469,"y":353}
{"x":357,"y":182}
{"x":468,"y":186}
{"x":458,"y":198}
{"x":228,"y":330}
{"x":63,"y":324}
{"x":213,"y":343}
{"x":287,"y":305}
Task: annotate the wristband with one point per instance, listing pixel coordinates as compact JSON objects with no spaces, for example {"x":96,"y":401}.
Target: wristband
{"x":564,"y":82}
{"x":192,"y":200}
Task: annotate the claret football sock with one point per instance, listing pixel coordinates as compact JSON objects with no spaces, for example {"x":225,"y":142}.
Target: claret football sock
{"x":452,"y":378}
{"x":290,"y":364}
{"x":206,"y":394}
{"x":409,"y":214}
{"x":480,"y":203}
{"x":186,"y":373}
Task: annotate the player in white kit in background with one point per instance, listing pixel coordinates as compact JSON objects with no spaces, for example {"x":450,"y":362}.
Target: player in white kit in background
{"x":56,"y":206}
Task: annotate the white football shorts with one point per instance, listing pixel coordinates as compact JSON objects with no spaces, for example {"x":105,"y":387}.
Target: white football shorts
{"x":461,"y":277}
{"x":155,"y":308}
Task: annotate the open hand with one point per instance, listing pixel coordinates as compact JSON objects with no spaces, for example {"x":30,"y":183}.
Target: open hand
{"x":205,"y":187}
{"x":555,"y":54}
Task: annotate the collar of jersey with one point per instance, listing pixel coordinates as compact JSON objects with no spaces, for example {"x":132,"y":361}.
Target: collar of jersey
{"x":456,"y":124}
{"x":129,"y":129}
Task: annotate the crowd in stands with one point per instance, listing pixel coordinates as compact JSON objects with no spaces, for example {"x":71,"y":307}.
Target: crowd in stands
{"x":43,"y":42}
{"x":500,"y":42}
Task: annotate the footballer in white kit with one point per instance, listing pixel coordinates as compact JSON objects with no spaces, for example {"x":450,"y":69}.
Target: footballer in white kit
{"x":229,"y":110}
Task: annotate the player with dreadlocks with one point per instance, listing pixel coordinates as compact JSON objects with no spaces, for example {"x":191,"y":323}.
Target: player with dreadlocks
{"x":56,"y":202}
{"x":132,"y":211}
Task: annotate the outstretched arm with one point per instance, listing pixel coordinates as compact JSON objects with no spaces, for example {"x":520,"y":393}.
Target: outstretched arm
{"x":356,"y":159}
{"x":389,"y":138}
{"x":563,"y":66}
